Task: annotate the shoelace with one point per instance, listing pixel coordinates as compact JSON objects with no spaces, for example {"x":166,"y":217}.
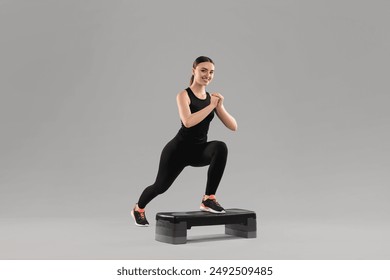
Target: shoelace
{"x":215,"y":201}
{"x":142,"y":214}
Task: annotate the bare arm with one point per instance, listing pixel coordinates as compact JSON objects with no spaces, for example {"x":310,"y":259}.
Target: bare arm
{"x":227,"y":119}
{"x":190,"y":119}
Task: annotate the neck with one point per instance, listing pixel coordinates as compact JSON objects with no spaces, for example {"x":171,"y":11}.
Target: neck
{"x":198,"y":89}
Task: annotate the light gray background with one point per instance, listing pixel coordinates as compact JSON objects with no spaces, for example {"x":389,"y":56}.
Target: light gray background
{"x":88,"y":101}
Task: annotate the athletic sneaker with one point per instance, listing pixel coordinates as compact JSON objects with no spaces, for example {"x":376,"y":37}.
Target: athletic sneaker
{"x":211,"y":205}
{"x":139,"y":218}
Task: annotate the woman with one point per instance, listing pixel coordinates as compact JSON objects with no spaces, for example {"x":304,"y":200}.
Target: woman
{"x":190,"y":147}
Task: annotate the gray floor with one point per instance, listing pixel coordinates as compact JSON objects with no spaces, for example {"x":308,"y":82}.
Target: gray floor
{"x":109,"y":238}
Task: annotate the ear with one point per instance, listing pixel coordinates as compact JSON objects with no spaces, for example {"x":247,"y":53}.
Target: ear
{"x":193,"y":71}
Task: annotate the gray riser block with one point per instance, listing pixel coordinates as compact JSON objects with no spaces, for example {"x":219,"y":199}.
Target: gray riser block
{"x":171,"y":239}
{"x":167,"y":232}
{"x":249,"y":226}
{"x":247,"y":231}
{"x":240,"y":233}
{"x":241,"y":227}
{"x":170,"y":229}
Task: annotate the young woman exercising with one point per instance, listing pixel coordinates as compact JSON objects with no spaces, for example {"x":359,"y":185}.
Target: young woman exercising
{"x":190,"y":147}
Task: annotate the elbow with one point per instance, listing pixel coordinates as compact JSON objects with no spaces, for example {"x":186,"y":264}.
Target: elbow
{"x":233,"y":127}
{"x":187,"y":124}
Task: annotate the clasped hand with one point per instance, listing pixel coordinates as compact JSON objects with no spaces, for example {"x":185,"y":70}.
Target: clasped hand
{"x":217,"y":99}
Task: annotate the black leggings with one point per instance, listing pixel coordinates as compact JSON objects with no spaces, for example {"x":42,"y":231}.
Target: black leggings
{"x":178,"y":154}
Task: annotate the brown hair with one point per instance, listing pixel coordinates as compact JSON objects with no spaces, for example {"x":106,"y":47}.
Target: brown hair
{"x":200,"y":59}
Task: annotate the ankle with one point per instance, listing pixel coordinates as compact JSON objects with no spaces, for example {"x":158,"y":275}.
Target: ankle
{"x":141,"y":210}
{"x":211,"y":196}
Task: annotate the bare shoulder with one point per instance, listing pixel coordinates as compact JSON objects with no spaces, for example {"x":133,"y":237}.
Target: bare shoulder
{"x":183,"y":96}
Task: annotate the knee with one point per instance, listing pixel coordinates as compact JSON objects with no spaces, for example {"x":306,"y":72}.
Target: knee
{"x":221,"y":148}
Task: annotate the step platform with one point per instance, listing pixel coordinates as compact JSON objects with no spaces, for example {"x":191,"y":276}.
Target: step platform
{"x":171,"y":227}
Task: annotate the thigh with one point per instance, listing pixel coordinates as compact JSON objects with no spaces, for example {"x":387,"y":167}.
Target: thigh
{"x":171,"y":162}
{"x":203,"y":153}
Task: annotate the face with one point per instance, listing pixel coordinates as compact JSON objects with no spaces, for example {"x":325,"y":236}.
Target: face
{"x":203,"y":73}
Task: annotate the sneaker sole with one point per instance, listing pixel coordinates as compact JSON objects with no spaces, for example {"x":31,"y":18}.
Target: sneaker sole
{"x":135,"y":222}
{"x":206,"y":209}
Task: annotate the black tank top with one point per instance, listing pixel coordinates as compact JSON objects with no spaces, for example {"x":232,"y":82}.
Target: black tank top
{"x":197,"y":133}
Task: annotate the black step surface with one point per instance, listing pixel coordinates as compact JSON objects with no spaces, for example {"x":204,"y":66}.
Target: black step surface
{"x":201,"y":218}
